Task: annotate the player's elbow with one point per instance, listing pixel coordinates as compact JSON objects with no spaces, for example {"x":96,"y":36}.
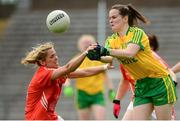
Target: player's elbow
{"x":130,"y":54}
{"x":69,"y":68}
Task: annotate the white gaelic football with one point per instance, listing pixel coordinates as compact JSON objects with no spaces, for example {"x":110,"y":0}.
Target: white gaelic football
{"x":58,"y":21}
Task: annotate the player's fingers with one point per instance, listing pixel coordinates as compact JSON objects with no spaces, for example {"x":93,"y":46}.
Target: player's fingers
{"x":91,"y":47}
{"x":115,"y":114}
{"x":110,"y":66}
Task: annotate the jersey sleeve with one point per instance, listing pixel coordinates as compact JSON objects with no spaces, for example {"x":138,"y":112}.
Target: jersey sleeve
{"x":138,"y":38}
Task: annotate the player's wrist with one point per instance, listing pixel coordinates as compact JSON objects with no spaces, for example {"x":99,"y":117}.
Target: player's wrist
{"x":116,"y":101}
{"x":105,"y":67}
{"x":85,"y":52}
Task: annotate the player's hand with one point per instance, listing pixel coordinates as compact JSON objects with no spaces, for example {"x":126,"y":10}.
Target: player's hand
{"x":68,"y":91}
{"x":111,"y":95}
{"x":116,"y":108}
{"x":94,"y":54}
{"x":175,"y":83}
{"x":92,"y":47}
{"x":108,"y":66}
{"x":97,"y":52}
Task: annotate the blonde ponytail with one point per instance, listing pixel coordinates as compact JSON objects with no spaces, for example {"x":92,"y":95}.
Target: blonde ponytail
{"x":39,"y":53}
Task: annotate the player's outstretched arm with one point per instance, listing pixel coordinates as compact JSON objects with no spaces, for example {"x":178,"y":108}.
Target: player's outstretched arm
{"x":99,"y":52}
{"x":121,"y":91}
{"x":130,"y":51}
{"x":176,"y":68}
{"x":72,"y":65}
{"x":106,"y":59}
{"x":89,"y":71}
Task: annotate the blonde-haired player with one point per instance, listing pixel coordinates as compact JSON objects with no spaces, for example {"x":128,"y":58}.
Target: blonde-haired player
{"x":45,"y":87}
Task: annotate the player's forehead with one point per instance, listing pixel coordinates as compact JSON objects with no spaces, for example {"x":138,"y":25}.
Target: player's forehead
{"x":113,"y":12}
{"x":51,"y":52}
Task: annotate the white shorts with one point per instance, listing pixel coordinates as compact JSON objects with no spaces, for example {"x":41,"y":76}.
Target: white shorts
{"x":153,"y":115}
{"x":130,"y":106}
{"x":60,"y":119}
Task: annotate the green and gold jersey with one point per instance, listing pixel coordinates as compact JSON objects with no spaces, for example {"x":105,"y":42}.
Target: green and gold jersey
{"x":91,"y":84}
{"x":143,"y":64}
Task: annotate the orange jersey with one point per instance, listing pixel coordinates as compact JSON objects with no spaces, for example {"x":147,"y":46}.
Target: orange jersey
{"x":42,"y":95}
{"x":128,"y":78}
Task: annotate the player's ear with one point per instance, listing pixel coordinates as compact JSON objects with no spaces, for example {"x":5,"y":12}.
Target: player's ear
{"x":43,"y":63}
{"x":125,"y":18}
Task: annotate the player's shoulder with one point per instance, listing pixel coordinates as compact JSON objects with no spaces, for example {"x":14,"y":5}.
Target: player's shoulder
{"x":135,"y":29}
{"x":44,"y":71}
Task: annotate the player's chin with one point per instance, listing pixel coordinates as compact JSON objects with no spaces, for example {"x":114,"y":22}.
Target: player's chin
{"x":56,"y":66}
{"x":114,"y":29}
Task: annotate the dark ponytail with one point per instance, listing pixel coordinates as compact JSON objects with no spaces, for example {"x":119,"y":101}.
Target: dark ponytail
{"x":134,"y":15}
{"x":153,"y":40}
{"x":131,"y":12}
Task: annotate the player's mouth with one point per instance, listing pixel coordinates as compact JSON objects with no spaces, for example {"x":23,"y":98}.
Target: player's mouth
{"x":112,"y":25}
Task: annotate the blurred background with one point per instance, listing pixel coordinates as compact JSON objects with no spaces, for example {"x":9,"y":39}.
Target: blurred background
{"x":22,"y":25}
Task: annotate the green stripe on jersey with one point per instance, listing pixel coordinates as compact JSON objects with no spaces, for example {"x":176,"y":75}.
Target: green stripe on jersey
{"x":137,"y":37}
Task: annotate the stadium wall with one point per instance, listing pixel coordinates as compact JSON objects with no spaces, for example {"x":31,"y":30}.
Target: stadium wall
{"x":86,"y":4}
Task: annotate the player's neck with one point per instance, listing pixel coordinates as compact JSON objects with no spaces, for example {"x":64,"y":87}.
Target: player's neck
{"x":124,"y":30}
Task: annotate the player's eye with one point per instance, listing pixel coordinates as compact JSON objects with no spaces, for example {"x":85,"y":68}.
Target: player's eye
{"x":113,"y":17}
{"x":52,"y":56}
